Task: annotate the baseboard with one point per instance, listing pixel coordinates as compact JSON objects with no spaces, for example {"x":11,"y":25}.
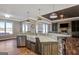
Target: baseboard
{"x":4,"y":39}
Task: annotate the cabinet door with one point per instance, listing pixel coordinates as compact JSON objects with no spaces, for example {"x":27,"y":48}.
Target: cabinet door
{"x":21,"y":41}
{"x":54,"y":27}
{"x":75,"y":26}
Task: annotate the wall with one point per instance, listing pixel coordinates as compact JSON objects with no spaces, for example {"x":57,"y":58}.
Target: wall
{"x":16,"y":27}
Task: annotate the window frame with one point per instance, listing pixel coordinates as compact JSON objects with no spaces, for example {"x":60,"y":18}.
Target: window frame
{"x":6,"y":26}
{"x":5,"y":22}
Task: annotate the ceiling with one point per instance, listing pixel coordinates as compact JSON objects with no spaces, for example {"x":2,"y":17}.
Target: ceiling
{"x":22,"y":11}
{"x":68,"y":13}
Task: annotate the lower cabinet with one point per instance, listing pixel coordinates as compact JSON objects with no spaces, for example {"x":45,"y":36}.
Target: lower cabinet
{"x":49,"y":48}
{"x":43,"y":48}
{"x":30,"y":45}
{"x":33,"y":46}
{"x":21,"y":41}
{"x":46,"y":48}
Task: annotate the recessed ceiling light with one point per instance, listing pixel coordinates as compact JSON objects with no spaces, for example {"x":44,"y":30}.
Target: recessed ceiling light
{"x":7,"y":16}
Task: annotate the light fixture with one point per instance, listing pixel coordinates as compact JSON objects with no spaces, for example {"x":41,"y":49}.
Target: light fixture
{"x":7,"y":16}
{"x":53,"y":15}
{"x":39,"y":18}
{"x":61,"y":16}
{"x":28,"y":14}
{"x":28,"y":18}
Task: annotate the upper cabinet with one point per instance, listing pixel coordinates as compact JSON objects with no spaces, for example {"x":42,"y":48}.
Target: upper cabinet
{"x":75,"y":28}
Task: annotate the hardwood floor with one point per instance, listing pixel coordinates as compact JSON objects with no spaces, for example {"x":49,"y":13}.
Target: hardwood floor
{"x":10,"y":47}
{"x":71,"y":46}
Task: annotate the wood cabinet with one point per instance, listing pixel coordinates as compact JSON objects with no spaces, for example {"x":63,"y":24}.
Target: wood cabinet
{"x":31,"y":45}
{"x":49,"y":48}
{"x":42,"y":48}
{"x":54,"y":27}
{"x":46,"y":48}
{"x":75,"y":28}
{"x":21,"y":41}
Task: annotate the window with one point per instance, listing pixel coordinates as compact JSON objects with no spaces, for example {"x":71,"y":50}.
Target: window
{"x":42,"y":28}
{"x":45,"y":28}
{"x":36,"y":28}
{"x":24,"y":28}
{"x":39,"y":28}
{"x":9,"y":29}
{"x":6,"y":28}
{"x":2,"y":28}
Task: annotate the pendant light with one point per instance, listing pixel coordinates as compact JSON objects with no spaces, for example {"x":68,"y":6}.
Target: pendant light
{"x":61,"y":16}
{"x":28,"y":20}
{"x":28,"y":14}
{"x":39,"y":18}
{"x":53,"y":15}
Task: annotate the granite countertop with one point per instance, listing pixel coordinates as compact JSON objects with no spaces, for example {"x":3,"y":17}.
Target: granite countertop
{"x":47,"y":39}
{"x":41,"y":38}
{"x":59,"y":34}
{"x":31,"y":38}
{"x":51,"y":37}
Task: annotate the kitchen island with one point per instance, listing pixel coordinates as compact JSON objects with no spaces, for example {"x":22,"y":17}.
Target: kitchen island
{"x":45,"y":44}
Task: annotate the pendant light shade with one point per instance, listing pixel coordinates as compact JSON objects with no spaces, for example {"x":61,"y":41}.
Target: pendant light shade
{"x":61,"y":16}
{"x":53,"y":15}
{"x":39,"y":18}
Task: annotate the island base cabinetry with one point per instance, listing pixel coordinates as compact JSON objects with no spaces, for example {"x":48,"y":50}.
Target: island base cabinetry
{"x":43,"y":48}
{"x":49,"y":48}
{"x":30,"y":45}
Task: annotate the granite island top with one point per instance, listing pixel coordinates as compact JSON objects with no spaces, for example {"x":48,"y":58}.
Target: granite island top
{"x":41,"y":38}
{"x":51,"y":37}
